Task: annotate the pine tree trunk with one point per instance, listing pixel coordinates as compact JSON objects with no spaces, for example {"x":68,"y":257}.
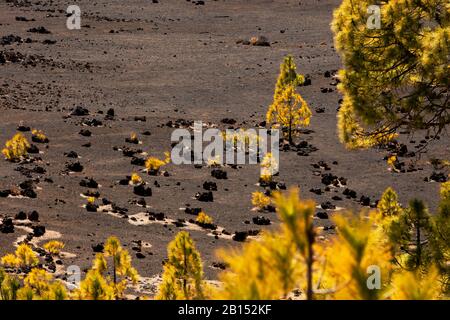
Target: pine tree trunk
{"x":309,"y":272}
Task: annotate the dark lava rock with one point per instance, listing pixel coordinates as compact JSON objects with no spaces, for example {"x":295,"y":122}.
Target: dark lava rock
{"x":260,"y":220}
{"x":21,"y":216}
{"x":210,"y":186}
{"x":7,"y":226}
{"x":85,"y":133}
{"x":98,"y":248}
{"x":41,"y":30}
{"x":204,"y":196}
{"x":317,"y":191}
{"x":240,"y":236}
{"x":89,"y":183}
{"x":71,"y":154}
{"x":365,"y":201}
{"x":92,"y":123}
{"x":91,"y":207}
{"x":33,"y":149}
{"x":328,"y":205}
{"x":193,"y":211}
{"x":10,"y":39}
{"x":33,"y":216}
{"x":110,"y":114}
{"x":125,"y":182}
{"x":260,"y":41}
{"x":74,"y":166}
{"x":79,"y":111}
{"x":49,"y":42}
{"x":219,"y":174}
{"x":142,"y":190}
{"x":29,"y":193}
{"x":4,"y":193}
{"x":336,"y":198}
{"x":438,"y":177}
{"x":38,"y":231}
{"x":157,"y":215}
{"x":23,"y":128}
{"x":140,"y":118}
{"x":228,"y":121}
{"x":328,"y":178}
{"x":138,"y":161}
{"x":322,"y":215}
{"x":219,"y":265}
{"x":349,"y":193}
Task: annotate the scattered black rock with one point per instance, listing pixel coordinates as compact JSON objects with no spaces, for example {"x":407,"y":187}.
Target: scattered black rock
{"x":260,"y":220}
{"x":92,"y":122}
{"x":260,"y":41}
{"x":328,"y":179}
{"x":210,"y":186}
{"x":204,"y":196}
{"x":7,"y":226}
{"x":219,"y":174}
{"x":4,"y":193}
{"x":85,"y":133}
{"x":33,"y":216}
{"x":38,"y":231}
{"x":79,"y":111}
{"x":142,"y":190}
{"x":240,"y":236}
{"x":438,"y":177}
{"x":75,"y":166}
{"x":41,"y":30}
{"x":23,"y":128}
{"x":20,"y":216}
{"x":91,"y":207}
{"x":322,"y":215}
{"x":89,"y":183}
{"x":98,"y":248}
{"x":193,"y":211}
{"x":364,"y":201}
{"x":138,"y":161}
{"x":349,"y":193}
{"x":219,"y":265}
{"x":49,"y":42}
{"x":160,"y":216}
{"x":140,"y":255}
{"x":71,"y":154}
{"x":10,"y":39}
{"x":33,"y":149}
{"x":317,"y":191}
{"x":328,"y":205}
{"x":229,"y":121}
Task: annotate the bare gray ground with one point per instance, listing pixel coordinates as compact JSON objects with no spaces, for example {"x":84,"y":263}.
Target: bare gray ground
{"x":165,"y":61}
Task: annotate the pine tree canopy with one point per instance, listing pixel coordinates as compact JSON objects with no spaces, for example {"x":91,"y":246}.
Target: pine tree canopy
{"x":396,"y":75}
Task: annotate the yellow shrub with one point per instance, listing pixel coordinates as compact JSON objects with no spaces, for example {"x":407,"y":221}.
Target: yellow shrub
{"x":16,"y":148}
{"x":259,"y":200}
{"x":203,"y":218}
{"x":39,"y":136}
{"x":135,"y":178}
{"x":153,"y":164}
{"x":54,"y":247}
{"x":23,"y":257}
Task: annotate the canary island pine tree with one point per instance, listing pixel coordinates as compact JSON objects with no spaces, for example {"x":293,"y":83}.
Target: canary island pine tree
{"x":288,"y":76}
{"x":395,"y":75}
{"x":183,"y":272}
{"x":290,"y":111}
{"x":98,"y":286}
